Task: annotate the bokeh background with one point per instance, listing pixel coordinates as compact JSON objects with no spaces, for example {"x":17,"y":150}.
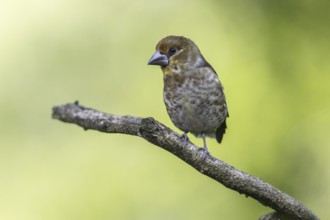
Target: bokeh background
{"x":273,"y":60}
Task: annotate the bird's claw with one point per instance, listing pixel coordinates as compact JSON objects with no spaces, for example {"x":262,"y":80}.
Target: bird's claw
{"x":185,"y":137}
{"x":205,"y":152}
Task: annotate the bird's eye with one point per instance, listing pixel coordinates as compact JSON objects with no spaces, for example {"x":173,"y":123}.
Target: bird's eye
{"x":172,"y":51}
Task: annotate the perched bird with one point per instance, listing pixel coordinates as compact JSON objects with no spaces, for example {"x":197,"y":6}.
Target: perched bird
{"x":193,"y":94}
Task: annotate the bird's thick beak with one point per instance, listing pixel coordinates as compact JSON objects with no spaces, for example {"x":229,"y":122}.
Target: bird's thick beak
{"x":158,"y":59}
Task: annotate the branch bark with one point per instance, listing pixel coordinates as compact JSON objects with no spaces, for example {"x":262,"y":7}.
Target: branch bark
{"x":158,"y":134}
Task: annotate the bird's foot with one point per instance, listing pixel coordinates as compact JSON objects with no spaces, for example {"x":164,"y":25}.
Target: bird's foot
{"x":185,"y":137}
{"x":205,"y":152}
{"x":204,"y":149}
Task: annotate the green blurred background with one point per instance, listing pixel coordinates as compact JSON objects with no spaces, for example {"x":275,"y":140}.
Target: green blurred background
{"x":271,"y":56}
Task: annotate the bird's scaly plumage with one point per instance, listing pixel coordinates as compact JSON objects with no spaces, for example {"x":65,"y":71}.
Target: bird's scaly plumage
{"x":193,"y":93}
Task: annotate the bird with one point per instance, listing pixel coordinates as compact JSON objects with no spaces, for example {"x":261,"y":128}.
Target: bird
{"x":193,"y":94}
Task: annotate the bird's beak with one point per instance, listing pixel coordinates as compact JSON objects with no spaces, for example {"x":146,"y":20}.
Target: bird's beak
{"x":158,"y":59}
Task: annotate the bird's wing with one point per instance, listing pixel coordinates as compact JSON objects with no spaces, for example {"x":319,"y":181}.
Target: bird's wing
{"x":222,"y":129}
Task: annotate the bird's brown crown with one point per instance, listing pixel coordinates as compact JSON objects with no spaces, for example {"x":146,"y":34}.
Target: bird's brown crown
{"x":179,"y":49}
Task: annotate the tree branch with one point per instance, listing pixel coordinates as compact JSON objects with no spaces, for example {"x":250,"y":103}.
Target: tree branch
{"x":158,"y":134}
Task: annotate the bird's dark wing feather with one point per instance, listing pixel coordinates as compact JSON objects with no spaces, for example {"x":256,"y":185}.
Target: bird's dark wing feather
{"x":221,"y":131}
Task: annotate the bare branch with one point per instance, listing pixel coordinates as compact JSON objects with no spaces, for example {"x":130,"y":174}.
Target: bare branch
{"x":158,"y":134}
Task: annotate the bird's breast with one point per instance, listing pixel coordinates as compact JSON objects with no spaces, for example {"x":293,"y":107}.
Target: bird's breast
{"x":194,"y":102}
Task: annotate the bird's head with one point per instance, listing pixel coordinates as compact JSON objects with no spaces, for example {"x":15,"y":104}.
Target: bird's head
{"x":177,"y":52}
